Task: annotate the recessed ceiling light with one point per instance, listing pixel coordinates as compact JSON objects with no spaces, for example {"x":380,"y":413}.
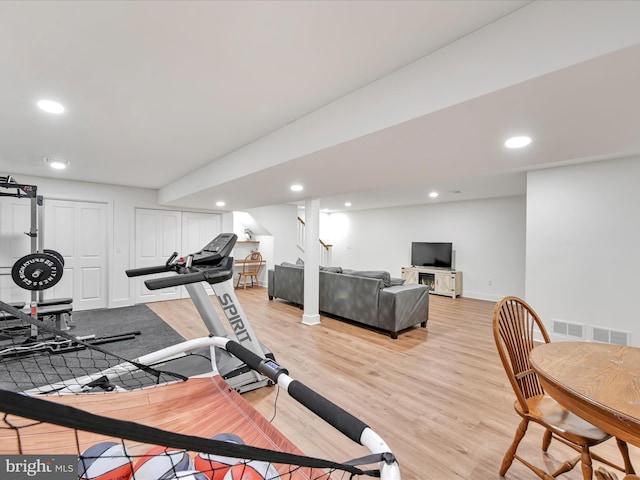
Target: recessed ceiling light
{"x":347,"y":204}
{"x":296,"y":188}
{"x":433,"y":194}
{"x":57,"y":164}
{"x":50,"y":106}
{"x":517,"y":142}
{"x":220,"y":204}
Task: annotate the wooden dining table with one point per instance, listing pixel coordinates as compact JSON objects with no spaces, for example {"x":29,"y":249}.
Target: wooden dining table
{"x":599,"y":382}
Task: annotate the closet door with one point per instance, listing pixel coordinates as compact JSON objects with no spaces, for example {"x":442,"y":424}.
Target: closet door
{"x":198,"y":229}
{"x":158,"y":233}
{"x":78,"y":231}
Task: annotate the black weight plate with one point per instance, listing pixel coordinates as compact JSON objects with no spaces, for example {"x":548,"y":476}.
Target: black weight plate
{"x":55,"y":254}
{"x":37,"y":271}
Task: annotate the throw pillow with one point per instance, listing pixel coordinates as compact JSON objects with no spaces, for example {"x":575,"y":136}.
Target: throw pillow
{"x":331,"y":269}
{"x":289,"y":264}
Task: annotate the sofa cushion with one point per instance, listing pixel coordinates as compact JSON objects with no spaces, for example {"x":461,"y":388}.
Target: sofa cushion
{"x":322,"y":269}
{"x":395,"y":282}
{"x":350,"y":297}
{"x":377,"y":274}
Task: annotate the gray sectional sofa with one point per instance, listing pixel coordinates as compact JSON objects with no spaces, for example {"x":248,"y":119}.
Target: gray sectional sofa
{"x":371,"y":298}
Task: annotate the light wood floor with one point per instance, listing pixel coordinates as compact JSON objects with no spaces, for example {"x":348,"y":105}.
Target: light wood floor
{"x":438,"y":396}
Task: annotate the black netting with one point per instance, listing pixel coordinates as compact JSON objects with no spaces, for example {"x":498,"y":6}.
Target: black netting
{"x":36,"y":355}
{"x":101,"y":439}
{"x":38,"y":360}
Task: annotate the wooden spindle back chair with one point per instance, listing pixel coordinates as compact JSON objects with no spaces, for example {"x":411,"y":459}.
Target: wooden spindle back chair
{"x":515,"y":325}
{"x":251,"y":267}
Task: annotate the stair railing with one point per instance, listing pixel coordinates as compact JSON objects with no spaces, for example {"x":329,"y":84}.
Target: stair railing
{"x":325,"y":248}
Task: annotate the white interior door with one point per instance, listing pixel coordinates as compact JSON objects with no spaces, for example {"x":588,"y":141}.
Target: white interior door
{"x":158,"y":233}
{"x":78,"y":231}
{"x":198,"y":229}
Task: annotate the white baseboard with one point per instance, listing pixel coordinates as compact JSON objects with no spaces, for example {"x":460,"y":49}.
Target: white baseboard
{"x":311,"y":319}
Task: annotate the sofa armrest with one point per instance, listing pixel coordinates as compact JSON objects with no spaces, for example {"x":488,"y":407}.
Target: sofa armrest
{"x":403,"y":306}
{"x":270,"y":283}
{"x":288,"y":284}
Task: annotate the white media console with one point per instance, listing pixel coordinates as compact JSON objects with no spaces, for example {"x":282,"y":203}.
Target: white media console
{"x":440,"y":281}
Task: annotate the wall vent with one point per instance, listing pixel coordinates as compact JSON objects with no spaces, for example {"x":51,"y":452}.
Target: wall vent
{"x":568,"y":329}
{"x":606,"y":335}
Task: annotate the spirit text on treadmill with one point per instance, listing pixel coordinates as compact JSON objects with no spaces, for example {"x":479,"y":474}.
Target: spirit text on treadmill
{"x":234,"y":317}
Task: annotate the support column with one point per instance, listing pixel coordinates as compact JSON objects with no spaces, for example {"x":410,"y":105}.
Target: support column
{"x":311,"y":314}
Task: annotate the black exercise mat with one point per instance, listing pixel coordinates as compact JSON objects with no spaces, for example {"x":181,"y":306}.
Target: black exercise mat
{"x":154,"y":335}
{"x":34,"y":358}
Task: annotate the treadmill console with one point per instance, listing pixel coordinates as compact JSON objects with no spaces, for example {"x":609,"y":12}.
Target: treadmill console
{"x":217,"y":249}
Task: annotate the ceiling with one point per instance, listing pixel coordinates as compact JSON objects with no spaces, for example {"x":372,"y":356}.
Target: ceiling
{"x":359,"y":101}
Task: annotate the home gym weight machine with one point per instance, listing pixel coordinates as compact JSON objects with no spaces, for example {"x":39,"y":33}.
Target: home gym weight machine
{"x":42,"y":268}
{"x":214,"y":265}
{"x":37,"y":271}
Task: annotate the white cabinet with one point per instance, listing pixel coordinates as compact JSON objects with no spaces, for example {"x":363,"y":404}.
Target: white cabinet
{"x":448,"y":283}
{"x":410,"y":275}
{"x":440,"y":281}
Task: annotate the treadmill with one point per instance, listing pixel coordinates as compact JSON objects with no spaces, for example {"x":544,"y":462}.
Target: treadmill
{"x":213,"y":265}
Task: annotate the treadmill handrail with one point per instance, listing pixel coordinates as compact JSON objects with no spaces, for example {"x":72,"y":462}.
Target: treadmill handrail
{"x":219,"y":273}
{"x":138,"y":272}
{"x":174,"y":281}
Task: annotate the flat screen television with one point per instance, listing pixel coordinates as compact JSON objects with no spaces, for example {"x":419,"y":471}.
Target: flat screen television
{"x":432,"y":254}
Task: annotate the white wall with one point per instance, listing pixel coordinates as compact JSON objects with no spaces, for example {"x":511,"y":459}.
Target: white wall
{"x":488,"y":238}
{"x":281,"y":223}
{"x":583,"y":244}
